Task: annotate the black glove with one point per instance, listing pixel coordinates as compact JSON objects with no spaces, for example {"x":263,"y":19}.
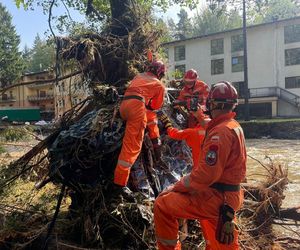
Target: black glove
{"x":165,"y":121}
{"x":226,"y":225}
{"x":124,"y":192}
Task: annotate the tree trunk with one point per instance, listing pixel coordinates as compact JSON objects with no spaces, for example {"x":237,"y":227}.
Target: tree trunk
{"x":122,"y":22}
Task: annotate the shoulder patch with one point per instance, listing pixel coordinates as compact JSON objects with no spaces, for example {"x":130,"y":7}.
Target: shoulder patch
{"x":215,"y":138}
{"x":212,"y":155}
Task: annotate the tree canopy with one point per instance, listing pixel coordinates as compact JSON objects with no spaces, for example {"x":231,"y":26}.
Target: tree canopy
{"x":11,"y":64}
{"x":40,"y":57}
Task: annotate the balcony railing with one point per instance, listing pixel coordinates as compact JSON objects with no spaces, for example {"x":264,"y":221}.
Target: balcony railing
{"x":8,"y":99}
{"x":40,"y":84}
{"x":278,"y":92}
{"x":34,"y":98}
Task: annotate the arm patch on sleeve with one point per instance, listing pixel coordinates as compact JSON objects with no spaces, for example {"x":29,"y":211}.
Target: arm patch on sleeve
{"x":212,"y":155}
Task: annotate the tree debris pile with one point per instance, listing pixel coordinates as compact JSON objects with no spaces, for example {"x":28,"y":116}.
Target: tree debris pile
{"x":83,"y":157}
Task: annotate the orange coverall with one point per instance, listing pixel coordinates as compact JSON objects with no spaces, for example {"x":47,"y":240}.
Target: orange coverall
{"x":223,"y":160}
{"x":193,"y":137}
{"x":199,"y":90}
{"x":136,"y":115}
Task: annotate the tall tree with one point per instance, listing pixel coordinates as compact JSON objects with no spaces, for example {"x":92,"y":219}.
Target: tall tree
{"x":11,"y":63}
{"x":280,"y":9}
{"x":42,"y":55}
{"x":212,"y":20}
{"x":184,"y":27}
{"x":259,"y":11}
{"x":26,"y":55}
{"x":101,"y":10}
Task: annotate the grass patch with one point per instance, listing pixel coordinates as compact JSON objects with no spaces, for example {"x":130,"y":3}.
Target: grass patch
{"x":2,"y":149}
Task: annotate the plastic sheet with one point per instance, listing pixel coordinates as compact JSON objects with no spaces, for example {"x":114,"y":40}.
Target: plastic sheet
{"x":87,"y":152}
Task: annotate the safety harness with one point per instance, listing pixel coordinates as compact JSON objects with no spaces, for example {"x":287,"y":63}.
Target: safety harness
{"x":225,"y":187}
{"x":140,"y":98}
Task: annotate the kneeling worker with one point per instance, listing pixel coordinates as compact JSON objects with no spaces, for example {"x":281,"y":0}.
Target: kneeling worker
{"x":211,"y":192}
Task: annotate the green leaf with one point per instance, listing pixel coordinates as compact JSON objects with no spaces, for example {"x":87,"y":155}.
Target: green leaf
{"x":19,"y":2}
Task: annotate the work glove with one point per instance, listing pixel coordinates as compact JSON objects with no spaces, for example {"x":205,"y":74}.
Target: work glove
{"x":226,"y":225}
{"x":124,"y":192}
{"x":165,"y":121}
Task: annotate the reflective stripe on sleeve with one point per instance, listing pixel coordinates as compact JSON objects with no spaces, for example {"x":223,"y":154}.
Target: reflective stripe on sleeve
{"x":152,"y":123}
{"x":239,"y":131}
{"x":124,"y":163}
{"x":167,"y":242}
{"x":186,"y":181}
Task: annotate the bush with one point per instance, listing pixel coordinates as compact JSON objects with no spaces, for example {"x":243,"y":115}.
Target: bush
{"x":14,"y":134}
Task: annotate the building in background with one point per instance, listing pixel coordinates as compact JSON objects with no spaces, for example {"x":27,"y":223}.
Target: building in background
{"x":39,"y":92}
{"x":69,"y":92}
{"x":36,"y":94}
{"x":273,"y":64}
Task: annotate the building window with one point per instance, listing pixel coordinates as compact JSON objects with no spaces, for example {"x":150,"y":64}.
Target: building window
{"x":292,"y":33}
{"x":179,"y":71}
{"x":240,"y":88}
{"x":179,"y":53}
{"x":237,"y":64}
{"x":292,"y":56}
{"x":237,"y":43}
{"x":292,"y":82}
{"x":217,"y":46}
{"x":217,"y":66}
{"x":42,"y":93}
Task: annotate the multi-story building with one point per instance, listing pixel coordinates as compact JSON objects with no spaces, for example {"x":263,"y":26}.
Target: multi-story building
{"x":40,"y":91}
{"x":35,"y":93}
{"x":273,"y":64}
{"x":69,"y":92}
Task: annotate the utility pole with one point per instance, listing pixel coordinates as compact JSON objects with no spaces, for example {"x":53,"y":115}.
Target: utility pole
{"x":246,"y":90}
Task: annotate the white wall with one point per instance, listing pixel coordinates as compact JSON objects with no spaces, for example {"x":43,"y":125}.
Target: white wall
{"x":287,"y":110}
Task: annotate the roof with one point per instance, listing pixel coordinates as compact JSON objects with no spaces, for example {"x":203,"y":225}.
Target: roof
{"x":36,"y":73}
{"x":231,"y":30}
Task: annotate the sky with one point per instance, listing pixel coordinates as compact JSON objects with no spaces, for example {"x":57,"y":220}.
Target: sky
{"x":30,"y":23}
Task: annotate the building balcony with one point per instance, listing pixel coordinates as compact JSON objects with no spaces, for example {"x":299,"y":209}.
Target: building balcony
{"x":40,"y":84}
{"x":34,"y":98}
{"x":7,"y":99}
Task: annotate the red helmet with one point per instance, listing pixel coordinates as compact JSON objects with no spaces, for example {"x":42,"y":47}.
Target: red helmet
{"x":190,"y":76}
{"x":158,"y":68}
{"x":223,"y":92}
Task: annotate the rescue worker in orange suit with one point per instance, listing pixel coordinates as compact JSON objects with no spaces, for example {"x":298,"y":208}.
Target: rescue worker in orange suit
{"x":211,"y":192}
{"x":144,"y":94}
{"x":193,"y":88}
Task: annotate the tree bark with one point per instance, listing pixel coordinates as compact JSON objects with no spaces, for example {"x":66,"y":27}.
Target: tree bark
{"x":121,"y":19}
